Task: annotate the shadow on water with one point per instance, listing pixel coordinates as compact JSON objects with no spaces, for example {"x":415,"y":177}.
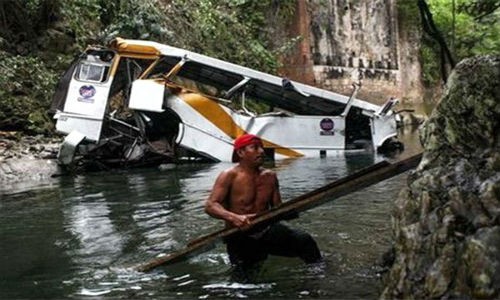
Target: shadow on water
{"x":81,"y":236}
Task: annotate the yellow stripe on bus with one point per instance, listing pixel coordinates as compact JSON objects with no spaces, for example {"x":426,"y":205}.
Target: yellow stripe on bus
{"x":214,"y":113}
{"x":220,"y":118}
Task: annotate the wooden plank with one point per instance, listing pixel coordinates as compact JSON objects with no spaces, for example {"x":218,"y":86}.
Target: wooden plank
{"x":356,"y":181}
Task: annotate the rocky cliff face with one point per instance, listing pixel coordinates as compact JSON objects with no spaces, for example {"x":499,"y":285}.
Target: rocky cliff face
{"x":365,"y":40}
{"x":355,"y":34}
{"x":446,"y":223}
{"x":346,"y":41}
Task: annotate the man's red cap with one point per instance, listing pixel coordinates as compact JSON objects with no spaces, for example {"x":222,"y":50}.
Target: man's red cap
{"x":243,"y":141}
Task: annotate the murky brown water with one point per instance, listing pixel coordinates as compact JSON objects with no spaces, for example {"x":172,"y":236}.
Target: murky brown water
{"x":74,"y":237}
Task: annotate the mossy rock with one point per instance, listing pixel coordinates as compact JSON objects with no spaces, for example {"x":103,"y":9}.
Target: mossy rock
{"x":446,"y":222}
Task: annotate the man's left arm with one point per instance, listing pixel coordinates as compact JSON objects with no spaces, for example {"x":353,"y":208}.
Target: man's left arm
{"x":276,"y":200}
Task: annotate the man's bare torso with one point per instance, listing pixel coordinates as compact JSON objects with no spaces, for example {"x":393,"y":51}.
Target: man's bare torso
{"x":250,"y":192}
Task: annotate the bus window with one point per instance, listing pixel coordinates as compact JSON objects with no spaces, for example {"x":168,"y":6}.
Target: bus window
{"x":91,"y":72}
{"x":92,"y":69}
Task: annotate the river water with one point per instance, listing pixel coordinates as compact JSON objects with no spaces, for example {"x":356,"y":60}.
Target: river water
{"x":80,"y":236}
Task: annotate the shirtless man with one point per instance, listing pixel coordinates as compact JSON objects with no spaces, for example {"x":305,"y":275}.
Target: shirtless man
{"x":242,"y":192}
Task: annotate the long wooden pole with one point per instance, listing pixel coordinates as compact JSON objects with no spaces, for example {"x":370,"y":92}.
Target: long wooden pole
{"x":356,"y":181}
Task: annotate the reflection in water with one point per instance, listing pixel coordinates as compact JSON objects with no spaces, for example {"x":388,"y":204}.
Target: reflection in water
{"x":81,"y":236}
{"x":89,"y":222}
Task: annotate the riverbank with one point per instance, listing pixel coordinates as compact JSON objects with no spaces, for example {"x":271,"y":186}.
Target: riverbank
{"x":27,"y":158}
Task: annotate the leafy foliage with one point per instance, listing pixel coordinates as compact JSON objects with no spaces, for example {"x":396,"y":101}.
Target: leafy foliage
{"x":470,"y":27}
{"x":244,"y":32}
{"x":82,"y":17}
{"x":137,"y":19}
{"x":26,"y":89}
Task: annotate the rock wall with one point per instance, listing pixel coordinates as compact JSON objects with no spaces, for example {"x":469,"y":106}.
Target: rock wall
{"x":347,"y":41}
{"x":27,"y":159}
{"x":446,"y":223}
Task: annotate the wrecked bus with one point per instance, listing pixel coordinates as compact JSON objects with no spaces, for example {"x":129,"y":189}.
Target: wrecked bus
{"x":140,"y":102}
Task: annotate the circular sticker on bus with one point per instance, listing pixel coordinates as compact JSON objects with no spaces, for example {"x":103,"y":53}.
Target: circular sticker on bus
{"x":87,"y":91}
{"x":326,"y":124}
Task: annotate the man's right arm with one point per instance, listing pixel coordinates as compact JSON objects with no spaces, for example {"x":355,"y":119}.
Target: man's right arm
{"x":214,"y":206}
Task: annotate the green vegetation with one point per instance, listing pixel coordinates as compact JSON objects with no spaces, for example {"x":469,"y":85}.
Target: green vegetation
{"x":26,"y":85}
{"x":470,"y":27}
{"x":38,"y":39}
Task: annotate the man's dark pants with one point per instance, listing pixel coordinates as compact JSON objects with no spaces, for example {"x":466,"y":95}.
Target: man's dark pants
{"x":249,"y":248}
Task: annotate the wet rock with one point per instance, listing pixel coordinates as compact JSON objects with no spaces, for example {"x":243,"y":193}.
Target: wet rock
{"x":27,"y":157}
{"x":410,"y":118}
{"x":446,"y":222}
{"x":27,"y":169}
